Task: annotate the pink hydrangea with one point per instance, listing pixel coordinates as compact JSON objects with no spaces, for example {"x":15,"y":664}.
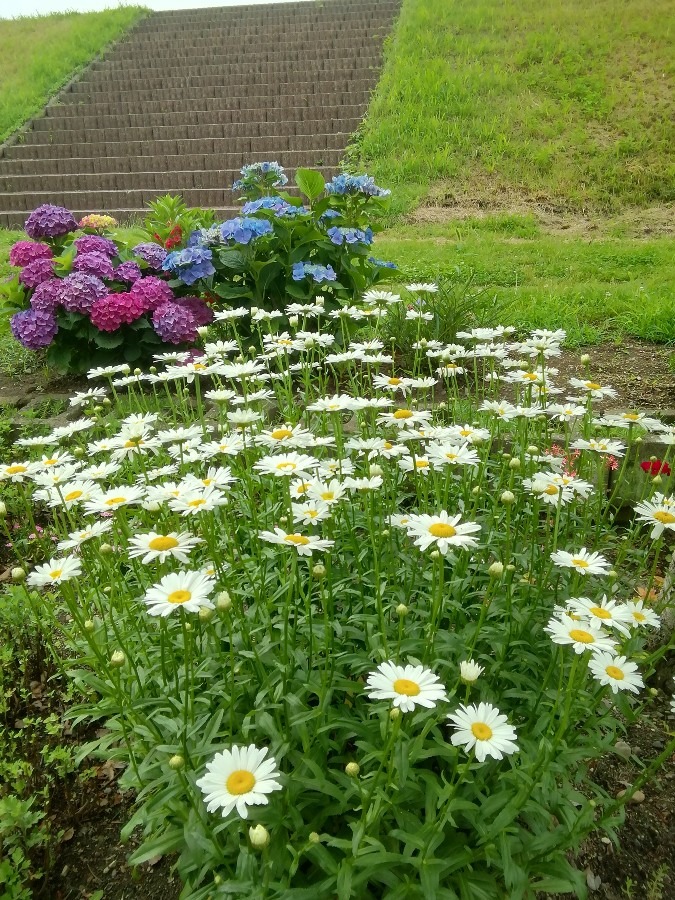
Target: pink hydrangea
{"x":152,"y":291}
{"x":25,"y":252}
{"x":114,"y":310}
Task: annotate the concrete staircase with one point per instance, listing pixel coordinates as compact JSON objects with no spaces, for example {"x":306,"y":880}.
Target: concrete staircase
{"x":188,"y":97}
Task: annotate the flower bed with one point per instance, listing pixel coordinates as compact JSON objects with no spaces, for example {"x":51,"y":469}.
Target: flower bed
{"x":92,"y":296}
{"x":342,"y":643}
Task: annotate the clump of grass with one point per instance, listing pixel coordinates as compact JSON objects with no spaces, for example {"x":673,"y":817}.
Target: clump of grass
{"x":39,"y":54}
{"x":567,"y":104}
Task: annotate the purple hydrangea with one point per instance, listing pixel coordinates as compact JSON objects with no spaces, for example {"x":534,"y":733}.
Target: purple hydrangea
{"x":34,"y":328}
{"x":174,"y":323}
{"x":79,"y":291}
{"x":152,"y":291}
{"x":355,"y":184}
{"x":152,"y":254}
{"x":93,"y":243}
{"x":340,"y":236}
{"x":50,"y":221}
{"x":36,"y":272}
{"x":47,"y":295}
{"x":319,"y":274}
{"x":94,"y":264}
{"x":243,"y":230}
{"x":128,"y":271}
{"x":25,"y":252}
{"x":190,"y":264}
{"x":199,"y":308}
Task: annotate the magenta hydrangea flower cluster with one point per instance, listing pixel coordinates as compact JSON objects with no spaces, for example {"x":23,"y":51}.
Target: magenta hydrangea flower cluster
{"x":36,"y":272}
{"x":25,"y":252}
{"x":94,"y":263}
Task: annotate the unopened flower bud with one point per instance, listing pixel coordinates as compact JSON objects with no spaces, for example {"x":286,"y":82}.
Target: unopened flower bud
{"x":394,"y":713}
{"x":385,"y":532}
{"x":106,"y":549}
{"x":254,"y":310}
{"x":319,"y":570}
{"x":612,"y":573}
{"x":657,"y":479}
{"x":584,"y":359}
{"x":469,"y":671}
{"x":352,"y":769}
{"x":205,"y":613}
{"x":176,"y":762}
{"x":401,"y":610}
{"x":89,"y":625}
{"x":151,"y":505}
{"x":3,"y":510}
{"x":138,"y":371}
{"x":375,"y":470}
{"x":319,"y":300}
{"x":476,"y":491}
{"x":98,"y":409}
{"x":223,"y":601}
{"x":153,"y":370}
{"x":496,"y":569}
{"x":314,"y":837}
{"x":239,"y":359}
{"x":18,"y":574}
{"x":514,"y":463}
{"x":203,"y":330}
{"x":532,"y":449}
{"x":117,"y":659}
{"x":259,"y":836}
{"x":252,"y":350}
{"x":188,"y":626}
{"x":508,"y":497}
{"x":510,"y":568}
{"x":108,"y":402}
{"x":293,"y":321}
{"x":435,"y":554}
{"x":78,"y":452}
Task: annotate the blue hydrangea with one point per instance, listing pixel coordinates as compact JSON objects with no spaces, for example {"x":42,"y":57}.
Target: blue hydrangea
{"x":340,"y":236}
{"x":355,"y":184}
{"x":190,"y":264}
{"x":273,"y":204}
{"x":243,"y":230}
{"x":319,"y":274}
{"x":263,"y":171}
{"x":381,"y":263}
{"x":205,"y":237}
{"x":330,"y":214}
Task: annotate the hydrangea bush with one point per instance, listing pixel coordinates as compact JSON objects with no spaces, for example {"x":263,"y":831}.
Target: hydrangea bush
{"x":354,"y":631}
{"x":90,"y":299}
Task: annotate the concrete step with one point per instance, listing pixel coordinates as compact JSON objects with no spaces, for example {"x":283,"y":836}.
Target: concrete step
{"x":183,"y":57}
{"x":302,"y":119}
{"x":16,"y":219}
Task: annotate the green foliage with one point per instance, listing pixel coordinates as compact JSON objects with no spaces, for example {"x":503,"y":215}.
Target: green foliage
{"x":39,"y":55}
{"x":562,"y":103}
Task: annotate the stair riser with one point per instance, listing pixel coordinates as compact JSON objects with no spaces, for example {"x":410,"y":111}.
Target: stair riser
{"x":185,"y":56}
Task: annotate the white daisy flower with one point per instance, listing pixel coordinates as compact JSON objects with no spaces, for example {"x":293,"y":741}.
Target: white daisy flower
{"x":56,"y":571}
{"x":582,"y":561}
{"x":82,"y":398}
{"x":581,"y":635}
{"x":616,"y":672}
{"x":657,"y":513}
{"x":77,"y":538}
{"x":73,"y":492}
{"x":419,"y":464}
{"x":239,"y":778}
{"x":286,"y":464}
{"x":114,"y":498}
{"x":406,"y":686}
{"x":189,"y":502}
{"x":641,"y":615}
{"x":604,"y":446}
{"x":422,"y":288}
{"x":404,"y":418}
{"x":327,"y":492}
{"x":606,"y":612}
{"x":303,"y":543}
{"x":154,"y":545}
{"x":442,"y":530}
{"x":484,"y":730}
{"x":470,"y":671}
{"x":310,"y":512}
{"x":186,"y":590}
{"x":17,"y":471}
{"x":596,"y":391}
{"x":451,"y":455}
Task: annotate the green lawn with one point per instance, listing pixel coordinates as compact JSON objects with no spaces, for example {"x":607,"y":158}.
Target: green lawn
{"x":38,"y":55}
{"x":565,"y":104}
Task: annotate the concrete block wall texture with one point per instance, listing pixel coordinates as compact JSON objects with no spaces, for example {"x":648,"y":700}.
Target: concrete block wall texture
{"x":188,"y":97}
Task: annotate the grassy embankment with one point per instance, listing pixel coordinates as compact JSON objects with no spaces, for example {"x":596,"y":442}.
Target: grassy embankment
{"x":538,"y":140}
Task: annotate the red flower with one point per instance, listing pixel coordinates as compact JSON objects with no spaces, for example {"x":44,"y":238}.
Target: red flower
{"x":655,"y":467}
{"x":174,"y":238}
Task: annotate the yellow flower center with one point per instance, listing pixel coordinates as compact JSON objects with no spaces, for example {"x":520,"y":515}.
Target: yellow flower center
{"x":442,"y":530}
{"x":162,"y":542}
{"x":600,"y":613}
{"x":403,"y":414}
{"x":328,"y":495}
{"x":134,"y":442}
{"x":631,"y":417}
{"x":387,"y":445}
{"x":115,"y":501}
{"x":287,"y":465}
{"x":421,"y":464}
{"x":199,"y":367}
{"x":581,"y":563}
{"x":297,"y":539}
{"x":280,"y":434}
{"x":407,"y":687}
{"x":481,"y":731}
{"x":465,"y":432}
{"x":285,"y":342}
{"x":551,"y":490}
{"x":665,"y":518}
{"x":394,"y":381}
{"x":451,"y":456}
{"x":16,"y":470}
{"x":614,"y":672}
{"x":73,"y":495}
{"x":639,"y":617}
{"x":50,"y":462}
{"x":179,"y":596}
{"x":530,"y":376}
{"x":312,"y":513}
{"x":582,"y":637}
{"x":593,"y":386}
{"x":240,"y":782}
{"x":55,"y":573}
{"x":196,"y":503}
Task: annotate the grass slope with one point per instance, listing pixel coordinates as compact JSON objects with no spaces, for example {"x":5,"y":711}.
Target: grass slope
{"x":38,"y":55}
{"x":568,"y":104}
